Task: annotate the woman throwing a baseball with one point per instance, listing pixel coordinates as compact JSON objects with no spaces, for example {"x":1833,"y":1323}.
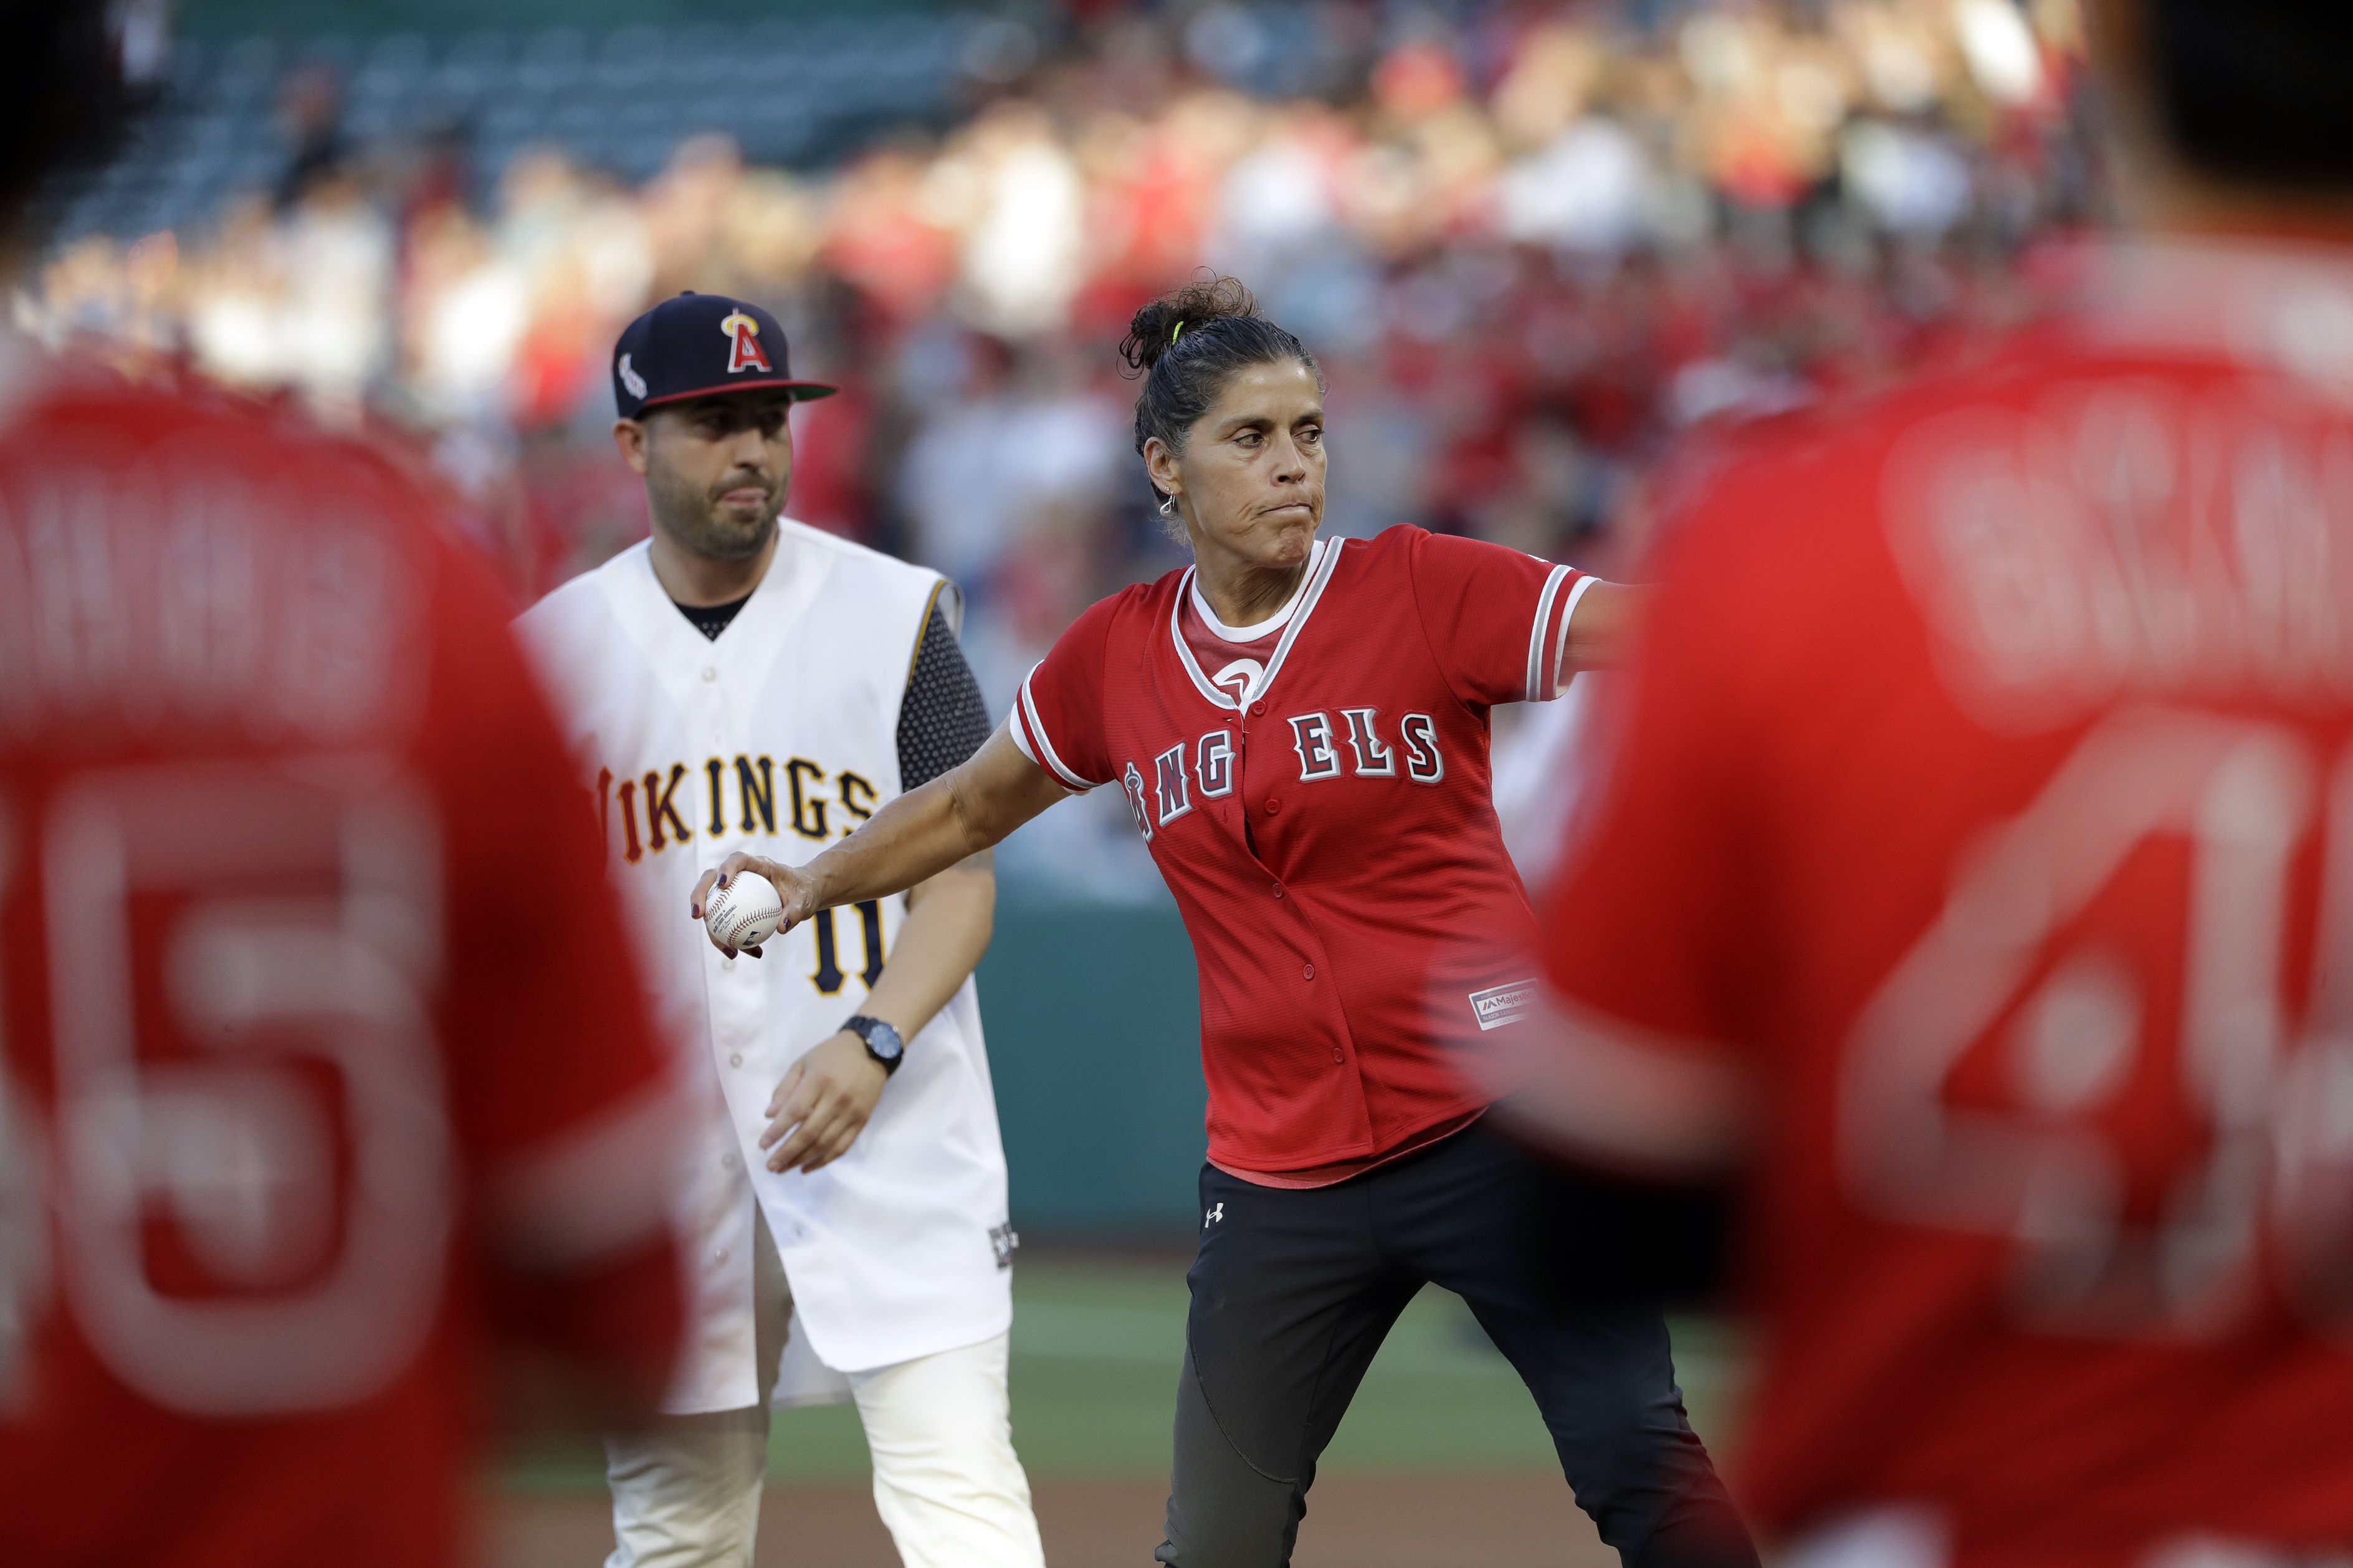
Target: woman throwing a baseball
{"x":1300,"y":726}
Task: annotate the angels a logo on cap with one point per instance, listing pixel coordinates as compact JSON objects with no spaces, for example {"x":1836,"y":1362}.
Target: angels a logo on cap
{"x":743,"y":350}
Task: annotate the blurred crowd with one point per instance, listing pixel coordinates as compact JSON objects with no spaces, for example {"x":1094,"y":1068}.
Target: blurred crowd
{"x":1530,"y":244}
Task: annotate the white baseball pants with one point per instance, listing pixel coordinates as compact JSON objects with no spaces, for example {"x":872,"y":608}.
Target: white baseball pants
{"x":686,"y":1489}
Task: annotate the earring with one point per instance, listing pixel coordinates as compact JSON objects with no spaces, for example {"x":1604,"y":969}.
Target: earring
{"x":1168,"y":506}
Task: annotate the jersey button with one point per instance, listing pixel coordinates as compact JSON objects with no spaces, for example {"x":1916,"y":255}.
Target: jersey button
{"x":1306,"y":972}
{"x":1273,"y":806}
{"x":708,"y":673}
{"x":1278,"y":889}
{"x":1258,"y":709}
{"x":736,"y":1060}
{"x":1339,"y":1058}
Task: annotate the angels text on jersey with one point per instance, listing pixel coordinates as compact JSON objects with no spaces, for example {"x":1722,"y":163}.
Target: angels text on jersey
{"x":663,"y":808}
{"x":1350,"y":744}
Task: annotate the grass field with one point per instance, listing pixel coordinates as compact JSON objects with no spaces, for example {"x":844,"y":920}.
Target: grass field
{"x":1096,"y":1345}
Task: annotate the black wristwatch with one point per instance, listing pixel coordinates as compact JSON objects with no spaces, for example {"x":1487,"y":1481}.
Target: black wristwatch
{"x":882,"y":1041}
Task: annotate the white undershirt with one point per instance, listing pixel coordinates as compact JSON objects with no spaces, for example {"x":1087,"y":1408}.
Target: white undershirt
{"x":1264,"y":628}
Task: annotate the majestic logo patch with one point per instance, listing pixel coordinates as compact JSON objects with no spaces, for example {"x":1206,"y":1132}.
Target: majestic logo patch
{"x":744,"y":351}
{"x":1001,"y":1238}
{"x":1501,"y":1004}
{"x":631,"y":379}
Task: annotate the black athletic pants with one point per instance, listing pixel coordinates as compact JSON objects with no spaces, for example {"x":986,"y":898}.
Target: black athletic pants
{"x":1293,"y":1289}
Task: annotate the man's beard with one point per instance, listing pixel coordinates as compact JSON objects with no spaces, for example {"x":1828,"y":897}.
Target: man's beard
{"x":694,"y":518}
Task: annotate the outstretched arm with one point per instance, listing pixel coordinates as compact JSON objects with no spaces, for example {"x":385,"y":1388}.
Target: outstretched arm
{"x":914,"y":839}
{"x":1602,"y":632}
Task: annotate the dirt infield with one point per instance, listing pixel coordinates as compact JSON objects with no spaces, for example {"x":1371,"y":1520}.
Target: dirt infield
{"x":1353,"y":1522}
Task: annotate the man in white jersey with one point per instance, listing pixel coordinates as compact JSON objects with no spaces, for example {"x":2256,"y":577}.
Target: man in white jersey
{"x":741,"y":681}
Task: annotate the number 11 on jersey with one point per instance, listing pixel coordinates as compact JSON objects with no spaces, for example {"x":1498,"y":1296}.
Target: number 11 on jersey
{"x":827,"y":976}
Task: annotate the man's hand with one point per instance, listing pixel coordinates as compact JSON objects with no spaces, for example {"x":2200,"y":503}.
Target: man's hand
{"x":824,"y":1103}
{"x":794,"y":890}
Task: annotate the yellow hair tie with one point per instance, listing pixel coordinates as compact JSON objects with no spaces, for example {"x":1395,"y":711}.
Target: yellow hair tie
{"x":1177,"y":334}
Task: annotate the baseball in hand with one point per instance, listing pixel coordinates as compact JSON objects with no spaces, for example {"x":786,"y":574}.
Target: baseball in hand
{"x":745,"y":913}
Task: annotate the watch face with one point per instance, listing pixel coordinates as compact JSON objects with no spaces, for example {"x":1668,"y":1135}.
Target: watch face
{"x":883,"y":1040}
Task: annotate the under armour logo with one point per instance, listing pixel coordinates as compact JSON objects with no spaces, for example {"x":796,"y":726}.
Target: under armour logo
{"x":1215,"y":1215}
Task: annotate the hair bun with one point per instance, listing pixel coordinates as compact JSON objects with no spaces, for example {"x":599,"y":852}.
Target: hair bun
{"x":1155,"y":327}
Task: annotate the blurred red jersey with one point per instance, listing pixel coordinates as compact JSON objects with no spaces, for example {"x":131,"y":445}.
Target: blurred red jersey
{"x":319,"y":1025}
{"x":1976,"y":858}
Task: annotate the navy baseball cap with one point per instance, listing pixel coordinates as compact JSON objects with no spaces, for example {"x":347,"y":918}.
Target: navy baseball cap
{"x":698,"y":344}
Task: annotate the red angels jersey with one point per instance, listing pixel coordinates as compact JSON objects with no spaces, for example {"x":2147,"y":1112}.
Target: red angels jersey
{"x":1327,"y":831}
{"x":1979,"y":838}
{"x":318,"y":1022}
